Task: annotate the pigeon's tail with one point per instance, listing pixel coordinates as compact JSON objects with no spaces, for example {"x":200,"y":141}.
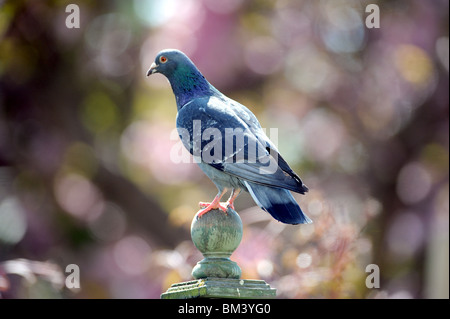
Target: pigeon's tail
{"x":278,"y":202}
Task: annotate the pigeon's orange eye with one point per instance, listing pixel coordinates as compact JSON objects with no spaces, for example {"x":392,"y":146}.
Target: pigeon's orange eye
{"x":163,"y":59}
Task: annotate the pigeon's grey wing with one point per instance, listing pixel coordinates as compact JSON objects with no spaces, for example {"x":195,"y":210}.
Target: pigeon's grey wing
{"x":226,"y":142}
{"x":253,"y":124}
{"x":244,"y":114}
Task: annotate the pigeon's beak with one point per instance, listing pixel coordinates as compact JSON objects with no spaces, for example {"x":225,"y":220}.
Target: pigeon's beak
{"x":153,"y":69}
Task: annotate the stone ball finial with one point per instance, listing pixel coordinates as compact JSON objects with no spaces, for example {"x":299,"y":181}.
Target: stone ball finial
{"x":217,"y":235}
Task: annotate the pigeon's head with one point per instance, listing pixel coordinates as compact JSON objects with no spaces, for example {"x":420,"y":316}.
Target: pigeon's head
{"x":169,"y":61}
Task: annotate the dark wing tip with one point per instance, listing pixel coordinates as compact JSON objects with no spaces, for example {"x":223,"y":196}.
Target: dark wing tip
{"x":305,"y":188}
{"x":302,"y":187}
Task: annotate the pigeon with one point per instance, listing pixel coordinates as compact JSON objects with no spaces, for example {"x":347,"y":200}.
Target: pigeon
{"x":229,"y":144}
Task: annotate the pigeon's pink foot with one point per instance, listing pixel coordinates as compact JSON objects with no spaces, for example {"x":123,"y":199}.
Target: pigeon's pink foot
{"x":215,"y":204}
{"x":206,"y":204}
{"x":234,"y":195}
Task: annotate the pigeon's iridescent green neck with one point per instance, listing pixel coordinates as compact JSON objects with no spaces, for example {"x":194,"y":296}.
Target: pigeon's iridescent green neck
{"x":187,"y":83}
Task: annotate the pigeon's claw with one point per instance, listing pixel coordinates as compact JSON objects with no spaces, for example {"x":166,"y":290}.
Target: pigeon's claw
{"x":206,"y":204}
{"x":203,"y":204}
{"x":231,"y":205}
{"x":210,"y":208}
{"x":215,"y":204}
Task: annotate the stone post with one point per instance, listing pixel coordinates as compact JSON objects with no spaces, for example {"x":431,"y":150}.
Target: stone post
{"x":217,"y":235}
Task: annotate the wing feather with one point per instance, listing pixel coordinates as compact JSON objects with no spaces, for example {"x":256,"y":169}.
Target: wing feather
{"x":232,"y":141}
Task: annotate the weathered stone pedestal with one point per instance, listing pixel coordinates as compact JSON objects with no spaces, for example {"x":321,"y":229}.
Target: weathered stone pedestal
{"x":217,"y":235}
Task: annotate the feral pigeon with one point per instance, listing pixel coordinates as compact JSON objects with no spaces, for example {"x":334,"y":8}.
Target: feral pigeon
{"x":228,"y":143}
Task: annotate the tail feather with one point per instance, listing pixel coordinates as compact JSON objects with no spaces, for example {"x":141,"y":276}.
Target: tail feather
{"x":278,"y":202}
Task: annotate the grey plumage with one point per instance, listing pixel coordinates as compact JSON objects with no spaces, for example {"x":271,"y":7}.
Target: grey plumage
{"x":227,"y":139}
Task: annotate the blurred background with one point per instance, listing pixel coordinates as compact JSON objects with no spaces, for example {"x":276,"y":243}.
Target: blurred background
{"x":85,"y":142}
